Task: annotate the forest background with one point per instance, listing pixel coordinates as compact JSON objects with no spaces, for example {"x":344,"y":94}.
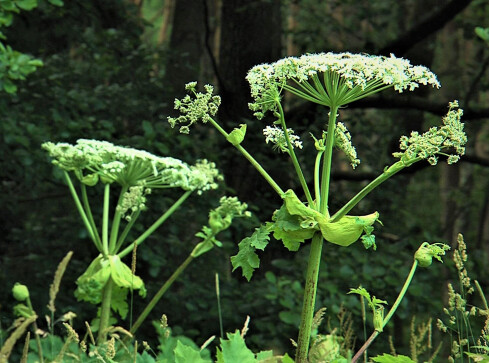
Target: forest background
{"x":112,"y":70}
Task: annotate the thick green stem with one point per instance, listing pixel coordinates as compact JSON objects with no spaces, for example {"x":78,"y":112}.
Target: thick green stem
{"x":328,"y":154}
{"x":160,"y":293}
{"x":81,"y":210}
{"x":309,"y":299}
{"x":295,"y":162}
{"x":252,"y":160}
{"x":116,"y":221}
{"x":105,"y":312}
{"x":155,"y":225}
{"x":105,"y":221}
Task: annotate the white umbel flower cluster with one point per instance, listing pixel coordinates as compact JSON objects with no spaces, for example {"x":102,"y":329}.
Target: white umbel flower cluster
{"x":346,"y":77}
{"x":96,"y":160}
{"x":276,"y":136}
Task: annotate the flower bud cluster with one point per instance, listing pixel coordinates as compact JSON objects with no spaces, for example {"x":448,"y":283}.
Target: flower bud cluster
{"x":200,"y":107}
{"x":436,"y":141}
{"x":133,"y":200}
{"x":276,"y":136}
{"x":342,"y":140}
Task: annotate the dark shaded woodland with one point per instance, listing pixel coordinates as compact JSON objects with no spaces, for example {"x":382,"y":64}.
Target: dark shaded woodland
{"x":112,"y":70}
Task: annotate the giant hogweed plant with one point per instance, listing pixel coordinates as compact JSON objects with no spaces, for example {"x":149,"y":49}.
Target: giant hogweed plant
{"x":134,"y":175}
{"x":333,"y":81}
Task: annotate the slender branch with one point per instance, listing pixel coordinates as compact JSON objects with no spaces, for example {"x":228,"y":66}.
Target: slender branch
{"x":252,"y":160}
{"x":105,"y":221}
{"x":126,"y":230}
{"x":160,"y":293}
{"x":88,"y":211}
{"x":116,"y":221}
{"x":401,"y":293}
{"x":155,"y":225}
{"x":81,"y":210}
{"x":295,"y":162}
{"x":392,"y":170}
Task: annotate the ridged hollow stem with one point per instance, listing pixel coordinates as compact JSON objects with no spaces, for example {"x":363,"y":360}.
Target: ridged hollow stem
{"x":155,"y":225}
{"x":160,"y":293}
{"x":80,"y":209}
{"x":389,"y":172}
{"x":252,"y":160}
{"x":105,"y":312}
{"x":292,"y":155}
{"x":116,"y":221}
{"x":327,"y":159}
{"x":105,"y":221}
{"x":309,"y":303}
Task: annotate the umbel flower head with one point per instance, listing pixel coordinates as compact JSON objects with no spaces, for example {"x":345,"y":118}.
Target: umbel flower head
{"x":93,"y":160}
{"x":195,"y":106}
{"x":333,"y":79}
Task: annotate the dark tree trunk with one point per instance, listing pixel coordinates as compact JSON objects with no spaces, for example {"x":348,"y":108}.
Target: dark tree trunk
{"x":250,"y":35}
{"x":186,"y":44}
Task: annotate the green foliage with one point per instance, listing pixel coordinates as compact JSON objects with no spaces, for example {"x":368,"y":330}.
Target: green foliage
{"x":388,"y":358}
{"x":14,"y":65}
{"x":246,"y":258}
